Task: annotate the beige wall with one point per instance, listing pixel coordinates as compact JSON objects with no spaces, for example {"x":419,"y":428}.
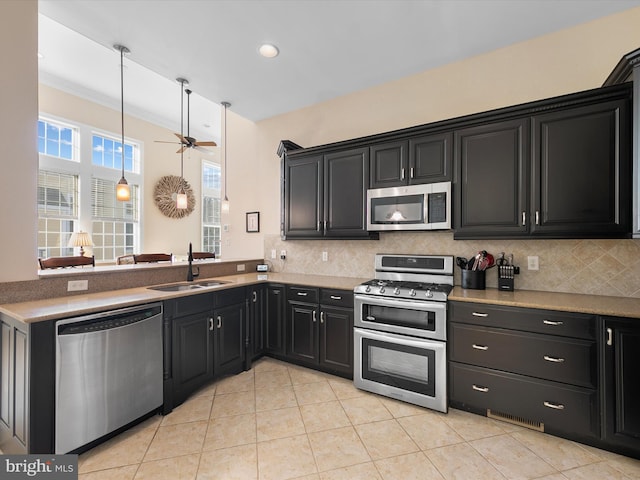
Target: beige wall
{"x":18,"y":124}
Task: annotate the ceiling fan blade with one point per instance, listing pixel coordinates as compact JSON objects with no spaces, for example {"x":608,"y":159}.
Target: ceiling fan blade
{"x":182,"y":139}
{"x":182,"y":149}
{"x":162,"y":141}
{"x":206,"y":144}
{"x":204,"y":150}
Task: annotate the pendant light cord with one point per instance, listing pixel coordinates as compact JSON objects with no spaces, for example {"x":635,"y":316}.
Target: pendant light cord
{"x":122,"y":103}
{"x":225,"y":105}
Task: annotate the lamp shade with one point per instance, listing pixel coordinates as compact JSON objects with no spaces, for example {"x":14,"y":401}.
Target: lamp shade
{"x":80,"y":239}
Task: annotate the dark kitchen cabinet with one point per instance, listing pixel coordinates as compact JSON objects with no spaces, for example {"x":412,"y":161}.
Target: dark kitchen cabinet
{"x":492,"y":190}
{"x":257,"y":304}
{"x":325,"y":195}
{"x":320,"y":329}
{"x":581,"y":171}
{"x":275,"y":320}
{"x":536,"y":367}
{"x":229,"y":317}
{"x":421,"y":159}
{"x":620,"y":340}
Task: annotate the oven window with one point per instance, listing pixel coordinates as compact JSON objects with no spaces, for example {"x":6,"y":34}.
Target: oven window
{"x":400,"y":316}
{"x":405,"y":209}
{"x":401,"y":366}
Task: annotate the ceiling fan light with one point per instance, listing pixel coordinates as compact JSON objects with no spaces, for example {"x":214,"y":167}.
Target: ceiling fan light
{"x":268,"y":51}
{"x":123,"y":193}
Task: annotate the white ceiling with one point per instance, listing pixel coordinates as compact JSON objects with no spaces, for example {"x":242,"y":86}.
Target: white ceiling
{"x":327,"y":48}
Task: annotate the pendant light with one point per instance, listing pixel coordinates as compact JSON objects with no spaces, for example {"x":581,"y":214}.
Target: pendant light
{"x":181,"y":197}
{"x":123,"y":193}
{"x":225,"y":202}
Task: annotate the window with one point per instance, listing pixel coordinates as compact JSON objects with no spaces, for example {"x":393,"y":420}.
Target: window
{"x":211,"y":207}
{"x":76,"y":190}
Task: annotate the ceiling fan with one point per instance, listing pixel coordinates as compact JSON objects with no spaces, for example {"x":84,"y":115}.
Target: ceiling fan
{"x":187,"y":141}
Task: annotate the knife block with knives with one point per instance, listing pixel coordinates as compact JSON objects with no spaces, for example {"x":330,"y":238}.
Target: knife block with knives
{"x":506,"y":272}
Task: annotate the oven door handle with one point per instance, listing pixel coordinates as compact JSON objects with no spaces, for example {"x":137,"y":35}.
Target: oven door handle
{"x":401,"y":339}
{"x":392,"y":302}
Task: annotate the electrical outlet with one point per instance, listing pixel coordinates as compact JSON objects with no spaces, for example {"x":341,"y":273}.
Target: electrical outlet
{"x":77,"y":285}
{"x":240,"y":267}
{"x":283,"y":254}
{"x":273,"y":253}
{"x":532,"y":263}
{"x":225,"y":227}
{"x":325,"y":256}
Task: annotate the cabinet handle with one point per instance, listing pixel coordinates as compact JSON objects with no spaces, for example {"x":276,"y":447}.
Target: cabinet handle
{"x":276,"y":292}
{"x":555,"y":406}
{"x":302,"y":294}
{"x":537,"y":217}
{"x":480,"y":347}
{"x":336,"y":297}
{"x":609,"y":336}
{"x":524,"y":219}
{"x":210,"y":323}
{"x":325,"y":224}
{"x":371,"y":318}
{"x":551,"y":322}
{"x":314,"y":316}
{"x":319,"y":225}
{"x":553,"y":359}
{"x":480,"y":389}
{"x":402,"y":174}
{"x":321,"y":317}
{"x":477,"y":314}
{"x":411,"y":173}
{"x":219,"y":321}
{"x":255,"y":296}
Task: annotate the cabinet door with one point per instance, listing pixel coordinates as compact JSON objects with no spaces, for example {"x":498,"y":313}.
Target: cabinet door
{"x":346,"y":177}
{"x":389,"y":164}
{"x":303,"y":197}
{"x":257,"y":314}
{"x":336,"y":339}
{"x":192,"y":354}
{"x":430,"y":158}
{"x":581,"y":167}
{"x":229,"y":350}
{"x":302,"y":331}
{"x":621,"y":344}
{"x":274,"y":333}
{"x":491,"y":195}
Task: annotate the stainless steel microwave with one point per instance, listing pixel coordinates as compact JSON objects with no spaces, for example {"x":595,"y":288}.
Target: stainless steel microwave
{"x":413,"y":207}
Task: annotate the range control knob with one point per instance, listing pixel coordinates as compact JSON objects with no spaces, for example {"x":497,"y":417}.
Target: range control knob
{"x":429,"y":294}
{"x":412,"y":292}
{"x":367,"y":289}
{"x":381,"y":290}
{"x":396,"y":291}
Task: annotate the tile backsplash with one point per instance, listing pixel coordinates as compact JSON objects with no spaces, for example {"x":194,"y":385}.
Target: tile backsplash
{"x":604,"y":267}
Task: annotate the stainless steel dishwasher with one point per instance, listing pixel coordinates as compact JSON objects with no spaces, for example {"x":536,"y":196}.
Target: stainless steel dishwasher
{"x":108,"y":373}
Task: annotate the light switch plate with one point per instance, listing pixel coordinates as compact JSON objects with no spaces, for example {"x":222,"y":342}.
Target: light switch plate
{"x":533,"y":263}
{"x":77,"y":285}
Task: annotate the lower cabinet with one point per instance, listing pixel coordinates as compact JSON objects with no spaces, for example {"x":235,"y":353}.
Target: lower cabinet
{"x":320,"y":329}
{"x":621,"y":384}
{"x":256,"y":314}
{"x":276,"y":309}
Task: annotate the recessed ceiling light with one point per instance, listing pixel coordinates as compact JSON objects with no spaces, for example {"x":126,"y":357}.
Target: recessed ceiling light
{"x":268,"y":51}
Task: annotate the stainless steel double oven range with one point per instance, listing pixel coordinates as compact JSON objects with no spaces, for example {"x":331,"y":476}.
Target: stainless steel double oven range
{"x":400,"y":329}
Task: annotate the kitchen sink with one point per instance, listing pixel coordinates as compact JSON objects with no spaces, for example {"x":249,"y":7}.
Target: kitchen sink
{"x":180,"y":287}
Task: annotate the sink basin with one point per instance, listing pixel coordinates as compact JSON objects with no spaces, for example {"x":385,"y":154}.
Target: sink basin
{"x":180,"y":287}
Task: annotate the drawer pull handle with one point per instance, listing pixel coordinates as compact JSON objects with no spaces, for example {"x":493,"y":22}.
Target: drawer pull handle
{"x":480,"y":347}
{"x":302,"y":294}
{"x":476,"y":314}
{"x":480,"y":389}
{"x":553,"y":359}
{"x":336,"y":297}
{"x":551,"y":322}
{"x":371,"y":318}
{"x":555,"y":406}
{"x":609,"y":336}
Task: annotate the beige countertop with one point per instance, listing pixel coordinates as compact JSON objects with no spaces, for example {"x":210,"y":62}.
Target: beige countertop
{"x":73,"y":305}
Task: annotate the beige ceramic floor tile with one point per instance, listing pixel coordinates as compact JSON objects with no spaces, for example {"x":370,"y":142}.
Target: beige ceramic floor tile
{"x":555,"y":476}
{"x":601,"y":470}
{"x":285,"y":458}
{"x":225,"y":432}
{"x":121,"y":473}
{"x":275,"y":398}
{"x":318,"y":392}
{"x":429,"y":431}
{"x":266,"y":364}
{"x":272,"y":378}
{"x":365,"y":409}
{"x":559,"y":453}
{"x":178,"y":468}
{"x":286,"y":422}
{"x":235,"y":463}
{"x":313,"y":476}
{"x":177,"y":440}
{"x":364,"y":471}
{"x":514,"y":460}
{"x":462,"y":462}
{"x":403,"y":409}
{"x":301,"y":375}
{"x":344,"y":389}
{"x":324,"y":416}
{"x":207,"y":390}
{"x":233,"y":404}
{"x":242,"y":382}
{"x":472,"y":427}
{"x":385,"y":439}
{"x":414,"y":466}
{"x":337,"y":448}
{"x":193,"y":410}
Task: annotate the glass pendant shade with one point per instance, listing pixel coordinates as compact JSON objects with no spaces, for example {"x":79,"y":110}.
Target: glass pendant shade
{"x":123,"y":193}
{"x":181,"y":199}
{"x":225,"y":205}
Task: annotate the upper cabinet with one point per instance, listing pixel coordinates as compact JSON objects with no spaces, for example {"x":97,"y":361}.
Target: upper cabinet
{"x":421,"y":159}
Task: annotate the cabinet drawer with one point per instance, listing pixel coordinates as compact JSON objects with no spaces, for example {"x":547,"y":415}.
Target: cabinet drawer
{"x":303,"y":294}
{"x":560,"y":408}
{"x":552,"y":358}
{"x":531,"y":320}
{"x":182,"y":306}
{"x":232,"y":296}
{"x":336,"y":298}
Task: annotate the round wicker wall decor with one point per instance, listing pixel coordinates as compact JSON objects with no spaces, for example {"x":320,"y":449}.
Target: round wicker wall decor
{"x":165,"y":193}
